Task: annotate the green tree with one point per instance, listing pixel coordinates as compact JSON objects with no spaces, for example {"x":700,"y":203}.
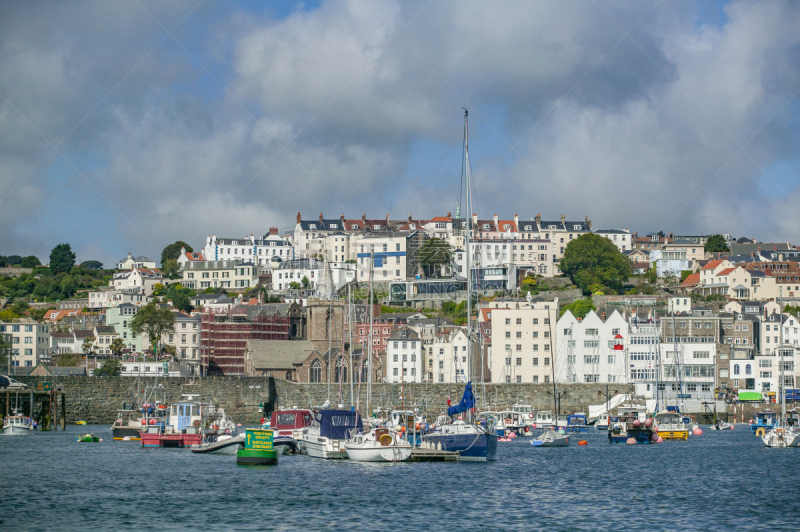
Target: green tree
{"x":62,"y":259}
{"x":159,"y":289}
{"x":180,"y":300}
{"x":154,"y":321}
{"x":92,"y":264}
{"x":88,"y":345}
{"x":171,"y":269}
{"x":579,"y":308}
{"x":716,"y":244}
{"x":173,"y":251}
{"x":117,"y":345}
{"x":170,"y":349}
{"x":294,"y":285}
{"x":111,"y":367}
{"x":30,"y":262}
{"x":592,"y":259}
{"x":67,"y":286}
{"x":305,"y":282}
{"x":8,"y":315}
{"x":5,"y":351}
{"x":210,"y":290}
{"x":69,"y":359}
{"x":434,"y":254}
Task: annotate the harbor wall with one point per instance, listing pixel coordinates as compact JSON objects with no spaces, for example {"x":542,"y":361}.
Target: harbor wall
{"x":97,"y":399}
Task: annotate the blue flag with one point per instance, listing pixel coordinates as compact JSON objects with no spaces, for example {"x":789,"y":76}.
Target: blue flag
{"x":467,"y":402}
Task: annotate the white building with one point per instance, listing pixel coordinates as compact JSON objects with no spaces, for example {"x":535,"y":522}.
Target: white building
{"x":620,"y":237}
{"x":404,"y":356}
{"x":147,"y":368}
{"x":30,"y":341}
{"x":139,"y":280}
{"x":264,"y":251}
{"x":698,"y":363}
{"x":129,"y":263}
{"x":643,"y":352}
{"x":534,"y":255}
{"x":389,"y":250}
{"x":318,"y":274}
{"x":219,"y":274}
{"x":586,"y":349}
{"x":446,"y":359}
{"x":669,"y":262}
{"x":110,"y":297}
{"x":523,"y":343}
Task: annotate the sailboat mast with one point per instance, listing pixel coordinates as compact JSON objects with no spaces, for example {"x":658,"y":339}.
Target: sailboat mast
{"x":371,"y":320}
{"x":782,"y":383}
{"x":350,"y":340}
{"x":467,"y":245}
{"x":330,"y":328}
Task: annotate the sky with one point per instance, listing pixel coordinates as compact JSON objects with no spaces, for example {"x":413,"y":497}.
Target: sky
{"x":125,"y":126}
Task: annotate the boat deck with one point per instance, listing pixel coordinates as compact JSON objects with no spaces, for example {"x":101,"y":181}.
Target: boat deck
{"x":433,"y":455}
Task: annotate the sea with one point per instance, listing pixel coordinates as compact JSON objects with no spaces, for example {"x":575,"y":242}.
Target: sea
{"x":721,"y":480}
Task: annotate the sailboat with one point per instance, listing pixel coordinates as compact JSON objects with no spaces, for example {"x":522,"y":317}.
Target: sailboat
{"x":781,"y":435}
{"x":471,"y":441}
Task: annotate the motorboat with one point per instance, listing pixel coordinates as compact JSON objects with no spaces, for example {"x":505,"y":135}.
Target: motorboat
{"x":602,"y":422}
{"x":544,"y":419}
{"x":378,"y":445}
{"x":722,"y":425}
{"x":128,"y":423}
{"x":285,"y":445}
{"x":527,"y":412}
{"x":288,"y":422}
{"x":550,"y":438}
{"x":781,"y":436}
{"x":671,"y":426}
{"x":561,"y":422}
{"x":765,"y":421}
{"x":329,"y":430}
{"x":87,"y":437}
{"x":628,"y":428}
{"x":576,"y":423}
{"x":17,"y":425}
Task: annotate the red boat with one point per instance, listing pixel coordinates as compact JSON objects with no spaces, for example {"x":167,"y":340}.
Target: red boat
{"x":288,"y":422}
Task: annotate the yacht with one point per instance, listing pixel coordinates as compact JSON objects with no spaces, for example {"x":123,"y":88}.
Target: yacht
{"x":288,"y":422}
{"x":329,"y":430}
{"x":378,"y":445}
{"x":576,"y":423}
{"x":527,"y":411}
{"x":544,"y":419}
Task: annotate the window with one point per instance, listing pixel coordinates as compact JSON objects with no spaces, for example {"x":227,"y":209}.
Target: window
{"x":508,"y":321}
{"x":508,"y":334}
{"x":394,"y":358}
{"x":519,"y":362}
{"x":519,"y":334}
{"x":315,"y":374}
{"x":535,"y":361}
{"x":519,"y":321}
{"x":535,"y":347}
{"x":546,"y":361}
{"x":536,"y":321}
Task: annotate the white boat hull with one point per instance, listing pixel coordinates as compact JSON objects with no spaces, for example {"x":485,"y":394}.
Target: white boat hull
{"x":389,"y":453}
{"x":324,"y":450}
{"x":14,"y":430}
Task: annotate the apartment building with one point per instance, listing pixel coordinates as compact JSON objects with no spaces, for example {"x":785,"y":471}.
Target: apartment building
{"x":523,"y":343}
{"x":404,"y":356}
{"x":591,"y":349}
{"x":30,"y":341}
{"x":620,"y":238}
{"x":389,"y":249}
{"x":264,"y":251}
{"x":219,"y":274}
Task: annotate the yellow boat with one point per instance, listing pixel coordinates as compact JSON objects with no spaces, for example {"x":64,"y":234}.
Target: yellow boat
{"x":671,"y":426}
{"x":80,"y":423}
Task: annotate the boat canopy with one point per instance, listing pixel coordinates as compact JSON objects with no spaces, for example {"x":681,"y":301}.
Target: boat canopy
{"x":576,"y":419}
{"x":467,"y":402}
{"x":335,"y":424}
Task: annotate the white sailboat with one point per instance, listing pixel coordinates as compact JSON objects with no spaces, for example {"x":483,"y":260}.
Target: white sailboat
{"x":378,"y":445}
{"x":782,"y":435}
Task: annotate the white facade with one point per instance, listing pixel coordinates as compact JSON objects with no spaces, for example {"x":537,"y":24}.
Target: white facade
{"x":107,"y":298}
{"x":523,"y":343}
{"x":534,"y":255}
{"x":643,"y":353}
{"x":698,"y":362}
{"x":446,"y":360}
{"x":136,"y":280}
{"x":404,"y":357}
{"x":620,"y":237}
{"x":219,"y":274}
{"x":586,"y":349}
{"x":30,"y":342}
{"x":146,"y":368}
{"x":669,"y":262}
{"x":130,"y":262}
{"x":318,"y":274}
{"x":249,"y":249}
{"x":390,"y":256}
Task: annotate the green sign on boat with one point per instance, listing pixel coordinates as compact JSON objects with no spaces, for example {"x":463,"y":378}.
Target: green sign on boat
{"x":258,"y":440}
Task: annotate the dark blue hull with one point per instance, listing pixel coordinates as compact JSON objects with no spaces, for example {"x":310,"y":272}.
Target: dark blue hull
{"x":471,"y":447}
{"x":577,"y":429}
{"x":641,"y":436}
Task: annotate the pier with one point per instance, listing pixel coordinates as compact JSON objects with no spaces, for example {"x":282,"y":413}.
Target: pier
{"x":39,"y":401}
{"x":433,"y":455}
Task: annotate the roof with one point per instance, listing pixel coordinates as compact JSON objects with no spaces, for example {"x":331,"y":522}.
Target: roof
{"x":710,"y":265}
{"x":83,"y":333}
{"x":691,"y":280}
{"x":192,"y":255}
{"x":106,"y":329}
{"x":142,"y":258}
{"x":404,"y":333}
{"x":683,"y":243}
{"x":617,"y":231}
{"x":441,"y":219}
{"x":726,"y":271}
{"x":278,"y":354}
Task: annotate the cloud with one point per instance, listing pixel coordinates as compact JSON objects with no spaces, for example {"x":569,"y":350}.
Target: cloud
{"x":355,"y":107}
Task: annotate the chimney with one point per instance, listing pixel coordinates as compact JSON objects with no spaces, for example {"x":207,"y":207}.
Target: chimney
{"x":670,"y":235}
{"x":364,"y":218}
{"x":495,"y":222}
{"x":410,"y":219}
{"x":589,"y":223}
{"x":341,"y":219}
{"x":474,"y":219}
{"x":183,"y":250}
{"x":321,"y":218}
{"x":387,"y":218}
{"x":780,"y":257}
{"x":298,"y":217}
{"x":449,"y":215}
{"x":563,"y":221}
{"x":516,"y":221}
{"x":273,"y":230}
{"x":538,"y":219}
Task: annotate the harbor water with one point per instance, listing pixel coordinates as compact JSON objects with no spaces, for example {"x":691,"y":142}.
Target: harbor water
{"x":720,"y":480}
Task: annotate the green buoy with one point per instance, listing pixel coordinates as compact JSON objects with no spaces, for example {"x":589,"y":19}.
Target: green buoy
{"x":257,"y":449}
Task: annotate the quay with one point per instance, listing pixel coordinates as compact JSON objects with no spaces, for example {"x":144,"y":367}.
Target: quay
{"x":433,"y":455}
{"x":40,"y":401}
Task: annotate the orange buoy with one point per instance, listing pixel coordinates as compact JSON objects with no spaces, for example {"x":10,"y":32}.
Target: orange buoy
{"x":583,"y":442}
{"x":631,"y":441}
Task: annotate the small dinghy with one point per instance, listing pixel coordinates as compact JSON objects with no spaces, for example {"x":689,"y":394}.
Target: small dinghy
{"x":224,"y":444}
{"x":550,"y":438}
{"x":87,"y":437}
{"x":722,"y":425}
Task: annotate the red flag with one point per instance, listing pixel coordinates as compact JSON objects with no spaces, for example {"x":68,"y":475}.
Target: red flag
{"x":448,"y":400}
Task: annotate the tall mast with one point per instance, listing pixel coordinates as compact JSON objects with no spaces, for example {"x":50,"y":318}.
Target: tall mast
{"x":350,"y":341}
{"x":468,"y":250}
{"x":371,"y":319}
{"x":781,"y":384}
{"x":330,"y":327}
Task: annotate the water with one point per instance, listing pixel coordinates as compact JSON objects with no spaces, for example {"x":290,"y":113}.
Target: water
{"x":720,"y":480}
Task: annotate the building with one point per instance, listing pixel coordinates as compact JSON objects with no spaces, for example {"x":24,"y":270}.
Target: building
{"x":284,"y":359}
{"x":137,"y":280}
{"x":229,"y":274}
{"x":389,"y":249}
{"x":120,"y":318}
{"x":523,"y":343}
{"x":29,"y":340}
{"x":224,"y":336}
{"x":591,"y":349}
{"x":265,"y":251}
{"x":189,"y":256}
{"x":312,"y":275}
{"x":186,"y":340}
{"x":620,"y":237}
{"x":104,"y":336}
{"x":445,"y":358}
{"x":130,"y":263}
{"x":404,"y":356}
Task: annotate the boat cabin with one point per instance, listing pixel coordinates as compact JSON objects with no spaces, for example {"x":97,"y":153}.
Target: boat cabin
{"x":544,"y":417}
{"x":186,"y":416}
{"x":290,"y":422}
{"x":512,"y":419}
{"x":18,"y":421}
{"x":337,"y":424}
{"x":668,"y":418}
{"x":576,"y":419}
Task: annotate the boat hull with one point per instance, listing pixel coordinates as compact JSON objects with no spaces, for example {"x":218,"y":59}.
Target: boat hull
{"x":577,"y":430}
{"x":252,"y":457}
{"x":641,"y":436}
{"x":674,"y":434}
{"x":14,"y":430}
{"x":561,"y":442}
{"x":323,"y":450}
{"x":227,"y":447}
{"x":480,"y":447}
{"x":120,"y":433}
{"x":378,"y":454}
